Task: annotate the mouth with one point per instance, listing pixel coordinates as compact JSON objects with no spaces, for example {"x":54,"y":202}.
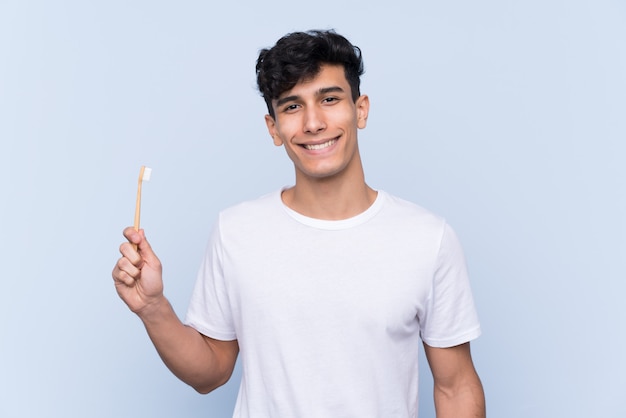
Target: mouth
{"x":315,"y":147}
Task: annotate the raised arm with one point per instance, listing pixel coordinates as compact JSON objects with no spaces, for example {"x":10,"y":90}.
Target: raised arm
{"x":457,"y":389}
{"x":202,"y":362}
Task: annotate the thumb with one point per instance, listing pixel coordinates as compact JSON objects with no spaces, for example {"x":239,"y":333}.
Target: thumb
{"x":145,"y":249}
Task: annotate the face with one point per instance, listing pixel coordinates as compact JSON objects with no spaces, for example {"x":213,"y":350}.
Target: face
{"x":317,"y":123}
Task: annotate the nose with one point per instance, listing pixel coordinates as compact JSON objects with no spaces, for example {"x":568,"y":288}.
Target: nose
{"x":313,"y":120}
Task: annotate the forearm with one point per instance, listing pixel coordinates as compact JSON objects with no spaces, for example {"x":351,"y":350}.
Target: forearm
{"x":464,"y":401}
{"x":186,"y":352}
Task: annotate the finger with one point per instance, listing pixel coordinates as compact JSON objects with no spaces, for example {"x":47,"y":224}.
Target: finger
{"x":131,"y":235}
{"x":124,"y":265}
{"x":122,"y":277}
{"x":129,"y":251}
{"x":145,"y":250}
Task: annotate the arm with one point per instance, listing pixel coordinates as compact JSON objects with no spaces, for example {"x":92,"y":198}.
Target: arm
{"x":201,"y":362}
{"x":457,"y":388}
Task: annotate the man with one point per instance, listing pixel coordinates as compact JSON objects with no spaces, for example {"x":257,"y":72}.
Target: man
{"x":324,"y":288}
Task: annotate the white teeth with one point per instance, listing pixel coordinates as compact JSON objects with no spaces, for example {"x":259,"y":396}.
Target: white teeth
{"x":321,"y":146}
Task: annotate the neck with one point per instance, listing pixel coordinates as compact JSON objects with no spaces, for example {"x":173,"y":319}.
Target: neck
{"x":333,"y":198}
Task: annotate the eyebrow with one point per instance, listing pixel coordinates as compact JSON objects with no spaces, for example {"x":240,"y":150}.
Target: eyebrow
{"x":320,"y":92}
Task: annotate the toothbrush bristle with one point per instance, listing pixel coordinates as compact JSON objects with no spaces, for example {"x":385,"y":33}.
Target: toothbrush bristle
{"x":147,"y":172}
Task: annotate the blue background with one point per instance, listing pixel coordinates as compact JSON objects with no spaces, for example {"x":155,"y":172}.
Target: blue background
{"x":506,"y":117}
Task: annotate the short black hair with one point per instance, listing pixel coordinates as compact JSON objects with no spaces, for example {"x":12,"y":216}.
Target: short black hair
{"x":299,"y":55}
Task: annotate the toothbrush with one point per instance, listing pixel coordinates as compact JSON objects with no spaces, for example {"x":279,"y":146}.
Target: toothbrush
{"x":144,"y":175}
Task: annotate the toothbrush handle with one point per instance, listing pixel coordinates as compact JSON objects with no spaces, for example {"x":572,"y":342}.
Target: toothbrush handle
{"x":138,"y":203}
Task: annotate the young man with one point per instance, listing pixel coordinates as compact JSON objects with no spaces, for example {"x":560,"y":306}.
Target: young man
{"x":326,"y":287}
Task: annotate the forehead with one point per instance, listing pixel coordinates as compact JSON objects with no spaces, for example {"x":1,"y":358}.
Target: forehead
{"x":329,"y":75}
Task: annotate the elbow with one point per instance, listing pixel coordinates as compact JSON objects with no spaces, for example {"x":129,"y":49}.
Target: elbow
{"x":203,"y":390}
{"x":218,"y":368}
{"x":466,"y":397}
{"x":206,"y":387}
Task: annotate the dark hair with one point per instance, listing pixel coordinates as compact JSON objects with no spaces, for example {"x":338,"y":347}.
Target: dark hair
{"x":298,"y":56}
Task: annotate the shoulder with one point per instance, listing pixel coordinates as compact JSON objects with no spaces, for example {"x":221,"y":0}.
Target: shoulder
{"x":247,"y":207}
{"x":426,"y":226}
{"x":251,"y":214}
{"x":411,"y":214}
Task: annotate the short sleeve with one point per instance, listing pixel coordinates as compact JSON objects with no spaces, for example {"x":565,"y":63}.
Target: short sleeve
{"x":209,"y":309}
{"x":450,"y":317}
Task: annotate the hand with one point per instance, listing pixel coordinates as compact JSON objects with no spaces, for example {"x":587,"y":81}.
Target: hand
{"x":138,"y":273}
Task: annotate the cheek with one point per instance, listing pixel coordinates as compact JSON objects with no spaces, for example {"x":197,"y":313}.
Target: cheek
{"x":287,"y":129}
{"x":347,"y":119}
{"x":292,"y":154}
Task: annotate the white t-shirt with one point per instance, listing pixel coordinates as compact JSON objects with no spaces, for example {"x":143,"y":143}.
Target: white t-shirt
{"x":329,"y":314}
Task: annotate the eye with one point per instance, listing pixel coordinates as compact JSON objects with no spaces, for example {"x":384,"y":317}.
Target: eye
{"x":290,"y":108}
{"x":330,"y":99}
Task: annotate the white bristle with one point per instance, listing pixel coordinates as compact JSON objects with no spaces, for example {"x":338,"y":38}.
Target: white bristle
{"x":147,"y":172}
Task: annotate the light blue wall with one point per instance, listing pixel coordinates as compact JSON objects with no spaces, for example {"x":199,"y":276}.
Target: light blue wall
{"x":508,"y":118}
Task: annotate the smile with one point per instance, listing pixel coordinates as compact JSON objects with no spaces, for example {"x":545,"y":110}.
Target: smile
{"x":320,"y":146}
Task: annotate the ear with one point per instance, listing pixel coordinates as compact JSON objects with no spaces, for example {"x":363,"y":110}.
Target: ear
{"x":271,"y":128}
{"x":362,"y":110}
